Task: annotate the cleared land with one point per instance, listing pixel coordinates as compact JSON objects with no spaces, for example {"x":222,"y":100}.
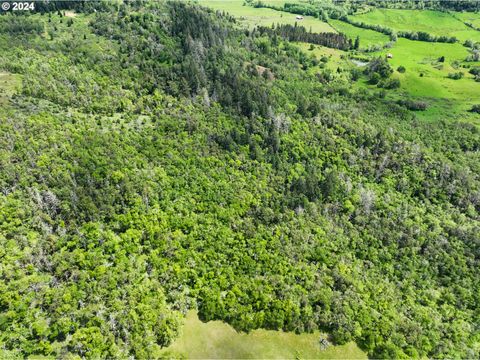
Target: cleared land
{"x":252,"y":17}
{"x":367,"y":37}
{"x":8,"y":85}
{"x":427,"y":77}
{"x":434,"y":22}
{"x":217,"y":340}
{"x":469,"y":17}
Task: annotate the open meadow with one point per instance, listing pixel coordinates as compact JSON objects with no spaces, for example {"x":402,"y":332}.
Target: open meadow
{"x":433,"y":22}
{"x":252,"y":17}
{"x":217,"y":340}
{"x":367,"y":37}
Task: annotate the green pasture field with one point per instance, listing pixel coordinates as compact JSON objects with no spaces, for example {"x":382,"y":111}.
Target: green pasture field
{"x":433,"y":22}
{"x":252,"y":17}
{"x":367,"y":37}
{"x":8,"y":86}
{"x":217,"y":340}
{"x":435,"y":82}
{"x":445,"y":97}
{"x":469,"y":17}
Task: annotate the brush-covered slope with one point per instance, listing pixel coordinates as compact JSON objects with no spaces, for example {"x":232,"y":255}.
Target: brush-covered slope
{"x":156,"y":158}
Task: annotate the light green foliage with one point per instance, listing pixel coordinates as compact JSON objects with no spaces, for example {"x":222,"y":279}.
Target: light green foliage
{"x":190,"y":164}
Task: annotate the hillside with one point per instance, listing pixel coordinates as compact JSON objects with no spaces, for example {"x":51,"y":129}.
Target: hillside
{"x":160,"y":157}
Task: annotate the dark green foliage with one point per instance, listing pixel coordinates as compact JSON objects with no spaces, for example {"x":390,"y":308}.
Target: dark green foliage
{"x":389,"y":84}
{"x":424,"y":36}
{"x":299,"y":33}
{"x":355,"y":74}
{"x":401,"y":69}
{"x":356,"y":45}
{"x":374,"y":78}
{"x":475,"y":108}
{"x":413,"y":105}
{"x":456,"y":75}
{"x":475,"y":70}
{"x":193,"y":165}
{"x":380,"y":66}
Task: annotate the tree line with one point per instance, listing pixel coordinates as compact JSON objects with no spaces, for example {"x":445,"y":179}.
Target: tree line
{"x":300,"y":33}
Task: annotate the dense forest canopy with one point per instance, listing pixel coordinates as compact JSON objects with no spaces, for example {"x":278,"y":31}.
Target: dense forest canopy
{"x":158,"y":158}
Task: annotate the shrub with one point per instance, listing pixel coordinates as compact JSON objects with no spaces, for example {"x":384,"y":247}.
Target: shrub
{"x":379,"y":66}
{"x":401,"y":69}
{"x":413,"y":105}
{"x":374,"y":78}
{"x":475,"y":70}
{"x":456,"y":75}
{"x":390,"y":84}
{"x":355,"y":74}
{"x":475,"y":109}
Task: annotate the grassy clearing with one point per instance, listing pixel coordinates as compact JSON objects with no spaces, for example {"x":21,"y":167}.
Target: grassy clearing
{"x":252,"y":17}
{"x":433,"y":22}
{"x":434,"y":83}
{"x":217,"y":340}
{"x":8,"y":86}
{"x":367,"y":37}
{"x":446,"y":97}
{"x":470,"y":17}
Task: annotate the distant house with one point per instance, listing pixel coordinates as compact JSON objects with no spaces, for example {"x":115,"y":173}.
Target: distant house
{"x":389,"y":56}
{"x":299,"y":17}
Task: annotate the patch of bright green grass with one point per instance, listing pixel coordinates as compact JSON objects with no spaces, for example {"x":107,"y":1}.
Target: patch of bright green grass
{"x":367,"y":37}
{"x":9,"y":83}
{"x":217,"y":340}
{"x":469,"y":17}
{"x":252,"y":17}
{"x":446,"y":98}
{"x":434,"y":83}
{"x":336,"y":58}
{"x":434,"y":22}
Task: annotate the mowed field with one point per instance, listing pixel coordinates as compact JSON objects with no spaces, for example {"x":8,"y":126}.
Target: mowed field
{"x":433,"y":22}
{"x":469,"y":17}
{"x":367,"y":37}
{"x":217,"y":340}
{"x":252,"y":17}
